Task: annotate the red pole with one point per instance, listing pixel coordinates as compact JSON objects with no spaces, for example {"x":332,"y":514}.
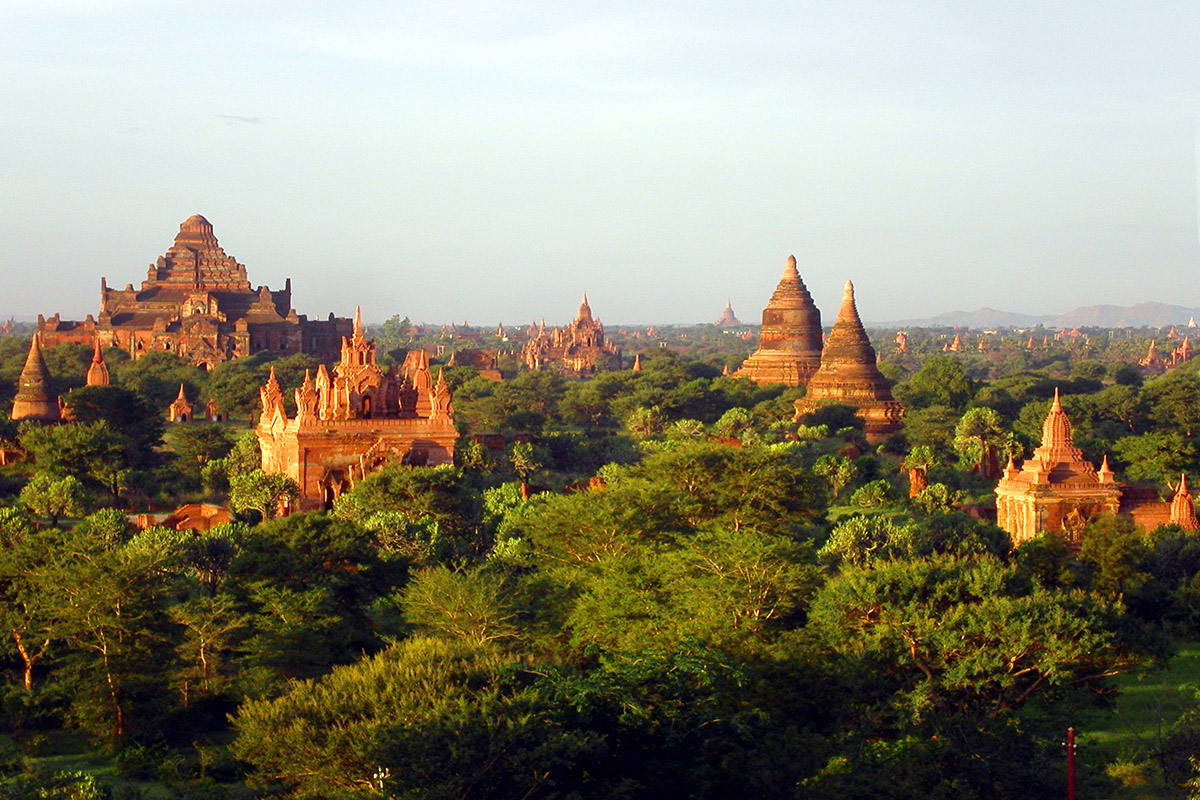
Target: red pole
{"x":1070,"y":763}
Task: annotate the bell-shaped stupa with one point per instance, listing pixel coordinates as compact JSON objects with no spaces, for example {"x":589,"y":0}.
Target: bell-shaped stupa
{"x":849,"y":376}
{"x":789,"y":343}
{"x":34,"y":400}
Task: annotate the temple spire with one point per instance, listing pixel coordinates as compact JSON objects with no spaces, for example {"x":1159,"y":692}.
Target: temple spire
{"x":97,"y":374}
{"x":1183,"y":509}
{"x":1056,"y":430}
{"x":358,"y":331}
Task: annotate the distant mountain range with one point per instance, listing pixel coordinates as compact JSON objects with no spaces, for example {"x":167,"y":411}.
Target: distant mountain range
{"x":1150,"y":315}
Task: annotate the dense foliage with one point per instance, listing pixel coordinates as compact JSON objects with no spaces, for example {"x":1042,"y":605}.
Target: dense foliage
{"x":648,"y":583}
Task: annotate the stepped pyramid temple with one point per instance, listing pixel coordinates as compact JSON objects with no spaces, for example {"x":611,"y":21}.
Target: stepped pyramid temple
{"x":197,"y":303}
{"x":848,"y":375}
{"x":356,"y":420}
{"x":789,"y":343}
{"x":33,"y":400}
{"x":1059,"y":491}
{"x":728,"y":318}
{"x":578,"y":348}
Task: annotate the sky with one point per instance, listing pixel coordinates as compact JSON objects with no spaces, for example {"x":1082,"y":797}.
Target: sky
{"x":490,"y":161}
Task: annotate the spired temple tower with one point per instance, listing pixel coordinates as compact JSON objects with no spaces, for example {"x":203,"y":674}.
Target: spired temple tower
{"x":789,"y":342}
{"x":355,"y":421}
{"x":197,"y":303}
{"x":848,"y":375}
{"x":579,"y":348}
{"x":33,"y":400}
{"x":728,"y":318}
{"x":1056,"y":489}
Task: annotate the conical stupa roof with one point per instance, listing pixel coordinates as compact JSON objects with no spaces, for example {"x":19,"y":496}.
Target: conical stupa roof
{"x":33,"y":400}
{"x":789,"y":343}
{"x":849,"y":375}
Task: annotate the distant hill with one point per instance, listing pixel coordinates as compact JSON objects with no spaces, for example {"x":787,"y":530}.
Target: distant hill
{"x":1153,"y":315}
{"x":983,"y":318}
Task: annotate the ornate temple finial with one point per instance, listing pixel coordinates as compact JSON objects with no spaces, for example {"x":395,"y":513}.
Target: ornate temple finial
{"x":1056,"y":405}
{"x":441,"y":381}
{"x":637,"y":363}
{"x":183,"y":395}
{"x":358,"y":322}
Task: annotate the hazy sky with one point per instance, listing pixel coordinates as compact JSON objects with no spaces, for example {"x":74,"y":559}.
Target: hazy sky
{"x":490,"y":161}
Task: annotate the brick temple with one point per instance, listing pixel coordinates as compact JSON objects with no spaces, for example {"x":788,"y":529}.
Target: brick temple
{"x":355,"y":421}
{"x":579,"y":348}
{"x":197,"y":303}
{"x":1059,"y":491}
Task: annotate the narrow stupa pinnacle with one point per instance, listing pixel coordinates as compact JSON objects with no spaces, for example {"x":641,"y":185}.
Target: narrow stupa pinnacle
{"x":789,"y":270}
{"x":358,"y":322}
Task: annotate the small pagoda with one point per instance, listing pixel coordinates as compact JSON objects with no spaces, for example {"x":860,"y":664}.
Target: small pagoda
{"x":848,"y":375}
{"x":789,"y":343}
{"x":34,"y":400}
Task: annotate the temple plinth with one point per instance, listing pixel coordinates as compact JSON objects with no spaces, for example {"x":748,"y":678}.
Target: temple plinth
{"x":848,"y":375}
{"x":789,"y":342}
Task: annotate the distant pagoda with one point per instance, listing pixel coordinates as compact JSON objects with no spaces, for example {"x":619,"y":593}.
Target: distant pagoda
{"x":789,"y":343}
{"x":197,"y":303}
{"x":728,"y":318}
{"x":848,"y":375}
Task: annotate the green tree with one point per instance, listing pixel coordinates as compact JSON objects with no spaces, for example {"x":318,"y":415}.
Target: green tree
{"x":917,"y":463}
{"x":958,"y":636}
{"x":981,"y":439}
{"x":838,"y":470}
{"x":262,"y":492}
{"x":1174,"y":401}
{"x":156,"y":376}
{"x":471,"y":605}
{"x":940,"y":381}
{"x":425,"y":718}
{"x":1157,"y":456}
{"x":95,"y":453}
{"x":51,"y":497}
